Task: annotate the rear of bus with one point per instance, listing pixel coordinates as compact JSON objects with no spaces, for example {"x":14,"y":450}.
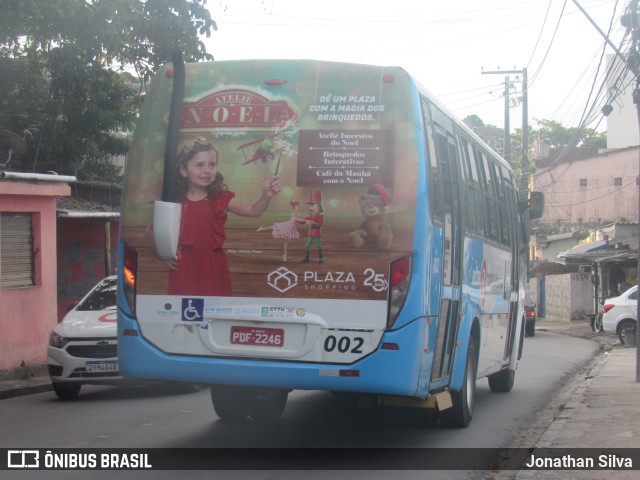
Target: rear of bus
{"x":337,"y":315}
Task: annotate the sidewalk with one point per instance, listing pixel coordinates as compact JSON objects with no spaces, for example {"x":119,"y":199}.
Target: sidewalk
{"x":603,"y":410}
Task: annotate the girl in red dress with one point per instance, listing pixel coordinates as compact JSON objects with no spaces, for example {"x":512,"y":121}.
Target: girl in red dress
{"x":201,"y":265}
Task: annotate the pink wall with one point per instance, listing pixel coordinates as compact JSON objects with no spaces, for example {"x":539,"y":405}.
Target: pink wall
{"x":81,"y":257}
{"x":600,"y":201}
{"x":27,"y":315}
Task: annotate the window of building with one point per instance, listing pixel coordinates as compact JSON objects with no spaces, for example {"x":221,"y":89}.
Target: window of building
{"x":617,"y":181}
{"x":16,"y":250}
{"x":583,"y":182}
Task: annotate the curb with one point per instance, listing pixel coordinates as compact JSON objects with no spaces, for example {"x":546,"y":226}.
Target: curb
{"x":30,"y":386}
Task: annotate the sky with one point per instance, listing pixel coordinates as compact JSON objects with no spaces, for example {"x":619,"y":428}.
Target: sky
{"x":445,"y":45}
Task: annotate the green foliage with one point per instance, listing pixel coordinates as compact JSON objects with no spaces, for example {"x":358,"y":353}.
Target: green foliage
{"x":99,"y":169}
{"x":473,"y":121}
{"x":65,"y":85}
{"x":558,"y":136}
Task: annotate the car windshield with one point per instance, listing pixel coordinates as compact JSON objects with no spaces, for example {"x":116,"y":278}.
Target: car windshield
{"x":102,"y":298}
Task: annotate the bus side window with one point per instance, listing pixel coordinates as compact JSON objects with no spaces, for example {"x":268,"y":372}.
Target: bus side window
{"x":435,"y":193}
{"x":435,"y":198}
{"x":489,"y":219}
{"x":509,"y":199}
{"x":471,"y":187}
{"x":481,"y":228}
{"x":503,"y":224}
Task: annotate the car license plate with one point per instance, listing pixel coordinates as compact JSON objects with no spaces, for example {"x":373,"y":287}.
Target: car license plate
{"x":269,"y":337}
{"x":102,"y":366}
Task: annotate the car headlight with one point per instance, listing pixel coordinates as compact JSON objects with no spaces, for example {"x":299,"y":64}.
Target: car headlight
{"x":57,"y":341}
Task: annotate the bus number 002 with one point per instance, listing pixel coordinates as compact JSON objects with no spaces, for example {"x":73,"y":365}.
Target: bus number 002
{"x":343,"y":344}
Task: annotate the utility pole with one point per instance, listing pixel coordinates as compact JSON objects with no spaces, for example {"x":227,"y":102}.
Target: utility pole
{"x":631,"y":21}
{"x":524,"y":178}
{"x":507,"y":122}
{"x":526,"y":168}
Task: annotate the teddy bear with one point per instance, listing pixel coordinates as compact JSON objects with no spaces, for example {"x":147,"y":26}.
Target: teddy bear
{"x":375,"y":229}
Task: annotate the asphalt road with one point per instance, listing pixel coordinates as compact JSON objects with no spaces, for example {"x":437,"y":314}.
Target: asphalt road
{"x":159,"y":416}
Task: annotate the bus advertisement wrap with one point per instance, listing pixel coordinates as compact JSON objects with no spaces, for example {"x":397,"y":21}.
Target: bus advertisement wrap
{"x":295,"y":224}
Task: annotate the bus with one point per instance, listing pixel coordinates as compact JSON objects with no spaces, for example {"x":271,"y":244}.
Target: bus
{"x":371,"y":244}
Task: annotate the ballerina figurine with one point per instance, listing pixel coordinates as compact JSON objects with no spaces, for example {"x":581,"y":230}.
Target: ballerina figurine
{"x":286,"y":230}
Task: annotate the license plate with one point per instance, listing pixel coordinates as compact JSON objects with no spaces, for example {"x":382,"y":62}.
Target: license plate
{"x":268,"y":337}
{"x":103,"y":366}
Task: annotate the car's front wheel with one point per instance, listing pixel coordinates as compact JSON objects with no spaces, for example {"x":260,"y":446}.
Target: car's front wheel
{"x":66,"y":392}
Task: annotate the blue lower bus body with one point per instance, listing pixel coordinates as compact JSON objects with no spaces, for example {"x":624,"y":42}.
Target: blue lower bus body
{"x":377,"y":373}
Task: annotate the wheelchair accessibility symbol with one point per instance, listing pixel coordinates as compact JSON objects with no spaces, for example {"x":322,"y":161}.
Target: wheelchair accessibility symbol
{"x":192,"y":309}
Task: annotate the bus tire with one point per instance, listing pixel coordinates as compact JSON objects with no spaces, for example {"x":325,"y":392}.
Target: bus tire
{"x":268,"y":405}
{"x":521,"y":347}
{"x":460,"y":414}
{"x":231,"y":404}
{"x":66,"y":392}
{"x":502,"y":382}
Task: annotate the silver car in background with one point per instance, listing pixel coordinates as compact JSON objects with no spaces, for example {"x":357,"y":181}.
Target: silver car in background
{"x":621,"y":314}
{"x":83,"y":348}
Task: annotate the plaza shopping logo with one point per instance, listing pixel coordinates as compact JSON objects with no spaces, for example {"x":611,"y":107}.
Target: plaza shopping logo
{"x":282,"y":279}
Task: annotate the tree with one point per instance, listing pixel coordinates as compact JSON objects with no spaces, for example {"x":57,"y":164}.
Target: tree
{"x":473,"y":121}
{"x":558,"y":136}
{"x":64,"y":81}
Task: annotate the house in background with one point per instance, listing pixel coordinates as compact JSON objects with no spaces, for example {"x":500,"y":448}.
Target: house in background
{"x":586,"y":189}
{"x":611,"y":259}
{"x":589,"y":225}
{"x":28,"y":286}
{"x":88,"y":224}
{"x":58,"y":237}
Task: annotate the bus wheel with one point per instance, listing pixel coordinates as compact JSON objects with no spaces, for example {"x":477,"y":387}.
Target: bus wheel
{"x":268,"y":405}
{"x":502,"y":381}
{"x":460,"y":414}
{"x":231,"y":403}
{"x":66,"y":392}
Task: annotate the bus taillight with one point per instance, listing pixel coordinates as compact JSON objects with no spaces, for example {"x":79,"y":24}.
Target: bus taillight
{"x":129,"y":271}
{"x":399,"y":280}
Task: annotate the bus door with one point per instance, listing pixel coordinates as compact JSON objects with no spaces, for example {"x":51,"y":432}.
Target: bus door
{"x":508,"y":198}
{"x":448,"y":189}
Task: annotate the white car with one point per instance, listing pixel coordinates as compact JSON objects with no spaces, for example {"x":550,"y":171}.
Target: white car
{"x":83,"y":348}
{"x":620,"y":314}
